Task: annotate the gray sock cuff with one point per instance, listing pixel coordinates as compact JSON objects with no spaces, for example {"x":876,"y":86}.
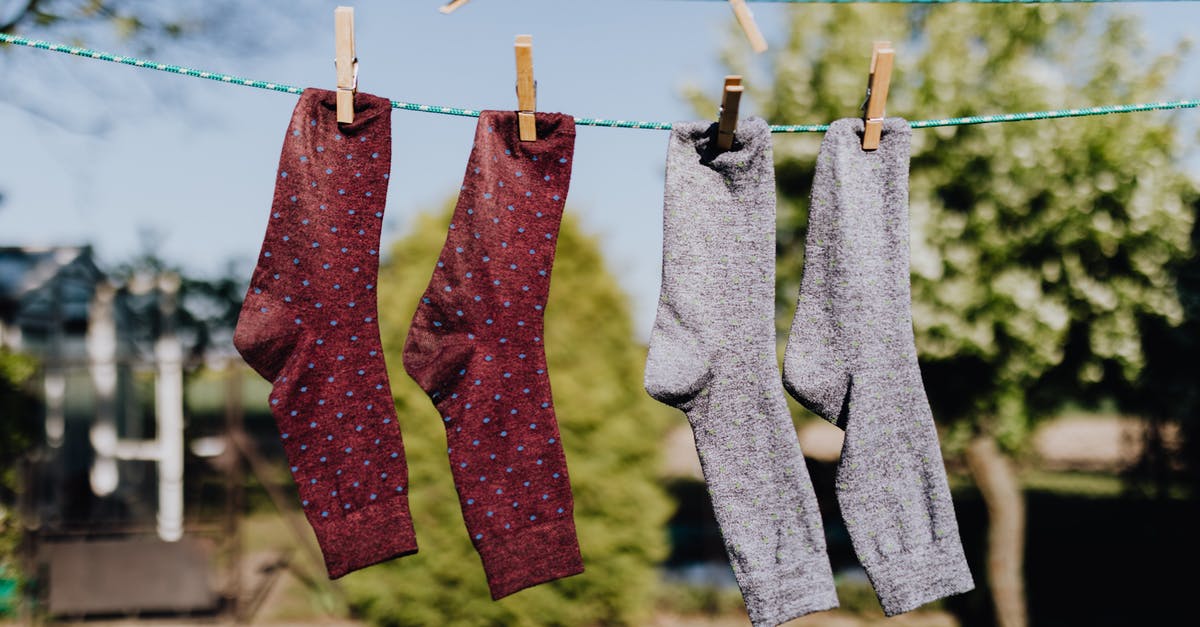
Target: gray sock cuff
{"x":794,"y":590}
{"x":851,"y":130}
{"x":751,"y":141}
{"x":908,"y":580}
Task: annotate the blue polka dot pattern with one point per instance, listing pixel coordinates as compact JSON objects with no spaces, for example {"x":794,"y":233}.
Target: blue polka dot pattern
{"x":308,"y":326}
{"x":475,"y":348}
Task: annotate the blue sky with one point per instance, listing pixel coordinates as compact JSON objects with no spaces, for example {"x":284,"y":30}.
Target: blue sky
{"x":97,"y":152}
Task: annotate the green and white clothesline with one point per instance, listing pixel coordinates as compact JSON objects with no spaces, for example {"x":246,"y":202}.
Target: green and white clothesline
{"x":88,"y":53}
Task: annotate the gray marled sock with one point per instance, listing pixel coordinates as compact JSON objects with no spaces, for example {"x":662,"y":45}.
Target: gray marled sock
{"x":712,"y":354}
{"x":851,"y":358}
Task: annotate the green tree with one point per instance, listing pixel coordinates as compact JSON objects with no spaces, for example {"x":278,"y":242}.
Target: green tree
{"x":19,"y":422}
{"x":612,"y":432}
{"x":1039,"y":249}
{"x":206,"y":310}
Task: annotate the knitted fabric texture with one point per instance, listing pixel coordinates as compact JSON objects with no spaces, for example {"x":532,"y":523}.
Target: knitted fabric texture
{"x":309,"y":325}
{"x":712,"y":355}
{"x":851,"y":359}
{"x":475,"y":346}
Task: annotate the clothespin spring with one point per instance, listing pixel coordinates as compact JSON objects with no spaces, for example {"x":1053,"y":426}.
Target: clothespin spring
{"x":526,"y":89}
{"x":727,"y":114}
{"x":354,"y":76}
{"x":517,"y":88}
{"x":345,"y":63}
{"x":878,"y":80}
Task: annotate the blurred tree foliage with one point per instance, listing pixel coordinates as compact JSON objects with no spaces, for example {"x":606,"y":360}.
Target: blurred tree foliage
{"x":127,"y":17}
{"x":1037,"y":247}
{"x":1040,"y":250}
{"x":20,"y":420}
{"x":145,"y":22}
{"x":210,"y":28}
{"x":206,"y":311}
{"x":612,"y":432}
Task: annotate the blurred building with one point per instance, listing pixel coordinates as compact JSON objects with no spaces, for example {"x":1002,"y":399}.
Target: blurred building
{"x":44,"y":289}
{"x":103,"y":489}
{"x":111,"y":386}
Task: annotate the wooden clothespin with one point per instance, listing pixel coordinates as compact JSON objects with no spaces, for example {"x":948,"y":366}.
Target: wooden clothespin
{"x":526,"y":89}
{"x":880,"y":77}
{"x":746,"y":19}
{"x":727,"y":125}
{"x":346,"y":61}
{"x":449,"y":7}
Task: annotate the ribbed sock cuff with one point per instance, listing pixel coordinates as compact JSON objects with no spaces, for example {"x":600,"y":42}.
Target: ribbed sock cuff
{"x":366,"y":537}
{"x":909,"y":580}
{"x":776,"y":597}
{"x":530,"y":557}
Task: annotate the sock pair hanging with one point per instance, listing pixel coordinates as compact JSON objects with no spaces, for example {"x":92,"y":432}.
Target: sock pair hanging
{"x":850,"y":358}
{"x":309,"y":324}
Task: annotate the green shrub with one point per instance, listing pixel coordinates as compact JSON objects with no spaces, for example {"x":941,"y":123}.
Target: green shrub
{"x":612,"y":432}
{"x":20,"y":418}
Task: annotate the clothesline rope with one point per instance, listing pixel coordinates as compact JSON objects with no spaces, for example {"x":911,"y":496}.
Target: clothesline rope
{"x":665,"y":126}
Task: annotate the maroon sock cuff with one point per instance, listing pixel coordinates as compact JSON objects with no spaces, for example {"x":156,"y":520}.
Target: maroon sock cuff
{"x":365,"y":537}
{"x":531,"y":556}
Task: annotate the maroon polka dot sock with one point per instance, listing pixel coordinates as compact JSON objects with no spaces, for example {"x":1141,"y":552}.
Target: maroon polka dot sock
{"x":475,"y":346}
{"x":308,"y":324}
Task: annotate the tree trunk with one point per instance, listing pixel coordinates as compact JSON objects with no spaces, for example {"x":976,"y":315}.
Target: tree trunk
{"x":997,"y":482}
